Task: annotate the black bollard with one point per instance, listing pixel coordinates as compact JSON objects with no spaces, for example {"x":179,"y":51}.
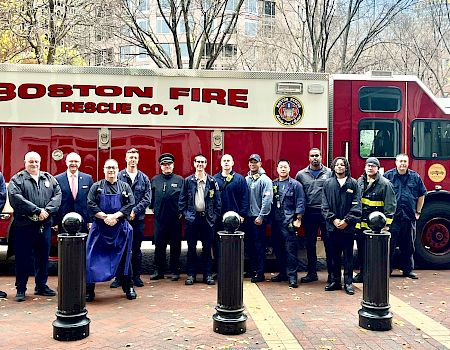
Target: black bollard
{"x":230,"y":317}
{"x":375,"y":313}
{"x":71,"y":322}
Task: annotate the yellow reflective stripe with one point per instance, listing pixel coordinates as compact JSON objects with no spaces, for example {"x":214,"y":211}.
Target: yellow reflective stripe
{"x":389,"y":221}
{"x":364,"y":225}
{"x":372,"y":203}
{"x":358,"y":225}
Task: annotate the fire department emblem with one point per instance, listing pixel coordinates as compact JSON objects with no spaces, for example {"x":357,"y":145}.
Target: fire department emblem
{"x":288,"y":111}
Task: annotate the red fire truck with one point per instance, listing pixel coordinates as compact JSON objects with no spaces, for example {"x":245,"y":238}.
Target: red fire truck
{"x":101,"y":112}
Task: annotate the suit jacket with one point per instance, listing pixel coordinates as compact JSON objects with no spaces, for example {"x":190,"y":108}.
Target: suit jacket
{"x":79,"y":204}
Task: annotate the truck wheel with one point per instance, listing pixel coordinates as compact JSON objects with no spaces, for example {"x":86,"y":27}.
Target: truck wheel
{"x":433,"y":236}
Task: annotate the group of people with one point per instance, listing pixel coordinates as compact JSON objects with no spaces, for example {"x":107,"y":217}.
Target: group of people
{"x":113,"y":210}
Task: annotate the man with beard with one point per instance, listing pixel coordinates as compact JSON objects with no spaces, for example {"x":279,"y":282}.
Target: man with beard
{"x":312,"y":178}
{"x":341,"y":208}
{"x":166,"y":188}
{"x":377,"y":194}
{"x":260,"y":200}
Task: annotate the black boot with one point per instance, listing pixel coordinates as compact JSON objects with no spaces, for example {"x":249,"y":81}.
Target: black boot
{"x":90,"y":292}
{"x":129,"y":291}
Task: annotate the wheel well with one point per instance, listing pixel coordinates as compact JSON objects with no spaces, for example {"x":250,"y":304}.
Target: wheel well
{"x":435,"y":196}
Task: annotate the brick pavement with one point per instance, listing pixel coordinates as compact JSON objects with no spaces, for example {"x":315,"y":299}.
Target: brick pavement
{"x":169,"y":315}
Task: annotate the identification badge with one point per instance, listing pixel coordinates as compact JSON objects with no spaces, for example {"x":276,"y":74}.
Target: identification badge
{"x":174,"y":185}
{"x":46,"y":183}
{"x":349,"y":190}
{"x":211,"y":193}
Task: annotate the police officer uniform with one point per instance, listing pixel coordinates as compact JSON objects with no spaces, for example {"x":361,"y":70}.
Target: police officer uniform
{"x":166,"y":190}
{"x":2,"y":205}
{"x":32,"y":237}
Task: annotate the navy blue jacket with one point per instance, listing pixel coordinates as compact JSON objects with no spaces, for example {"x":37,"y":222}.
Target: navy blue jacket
{"x":186,"y":204}
{"x":408,"y":188}
{"x":233,"y":193}
{"x":2,"y":192}
{"x":142,"y":191}
{"x":78,"y":205}
{"x":287,"y":205}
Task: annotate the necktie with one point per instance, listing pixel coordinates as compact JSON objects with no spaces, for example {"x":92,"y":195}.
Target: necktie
{"x":74,"y":187}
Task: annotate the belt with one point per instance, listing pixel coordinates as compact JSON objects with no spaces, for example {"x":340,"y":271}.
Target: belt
{"x":201,"y":213}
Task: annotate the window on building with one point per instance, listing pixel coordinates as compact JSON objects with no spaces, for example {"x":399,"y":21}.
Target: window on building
{"x":231,"y":5}
{"x":125,"y":53}
{"x":379,"y":138}
{"x":268,"y":28}
{"x":380,"y":99}
{"x":143,"y":55}
{"x":209,"y":50}
{"x":229,"y":50}
{"x":269,"y":8}
{"x":167,"y":49}
{"x":251,"y":28}
{"x":161,"y":26}
{"x":144,"y":24}
{"x":430,"y":138}
{"x":184,"y":51}
{"x":165,"y":4}
{"x":143,"y":5}
{"x":251,"y":6}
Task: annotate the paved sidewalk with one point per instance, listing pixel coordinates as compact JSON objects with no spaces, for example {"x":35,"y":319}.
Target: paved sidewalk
{"x":170,"y":315}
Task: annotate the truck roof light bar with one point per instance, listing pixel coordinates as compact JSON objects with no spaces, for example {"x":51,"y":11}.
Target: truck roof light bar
{"x":289,"y":88}
{"x":380,"y":73}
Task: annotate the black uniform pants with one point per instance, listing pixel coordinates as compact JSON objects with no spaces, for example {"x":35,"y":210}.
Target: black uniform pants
{"x":285,"y":244}
{"x":31,"y":241}
{"x":342,"y":242}
{"x":167,"y":232}
{"x":403,"y":235}
{"x":312,"y":221}
{"x":199,"y":230}
{"x":255,"y":245}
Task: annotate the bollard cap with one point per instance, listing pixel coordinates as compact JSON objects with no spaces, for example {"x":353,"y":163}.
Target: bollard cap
{"x":72,"y":223}
{"x":231,"y":221}
{"x":377,"y":221}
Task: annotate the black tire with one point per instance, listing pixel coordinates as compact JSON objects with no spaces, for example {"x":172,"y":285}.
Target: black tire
{"x":433,"y":236}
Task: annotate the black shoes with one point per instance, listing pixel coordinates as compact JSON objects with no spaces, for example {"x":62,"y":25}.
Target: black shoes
{"x":358,"y":278}
{"x":190,"y":280}
{"x":116,"y":283}
{"x":130,"y":293}
{"x":349,"y":289}
{"x":309,"y":278}
{"x":209,"y":280}
{"x":333,"y":286}
{"x":175,"y":277}
{"x":3,"y":294}
{"x":293,"y":282}
{"x":156,"y":276}
{"x":411,"y":275}
{"x":137,"y":282}
{"x":20,"y":296}
{"x":258,"y":278}
{"x":279,"y":278}
{"x":45,"y":291}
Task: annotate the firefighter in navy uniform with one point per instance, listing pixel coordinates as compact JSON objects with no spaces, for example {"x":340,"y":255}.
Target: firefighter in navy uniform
{"x":140,"y":185}
{"x":377,"y":194}
{"x":109,"y":244}
{"x":166,"y":188}
{"x":287,"y":210}
{"x":35,"y":197}
{"x":200,"y":205}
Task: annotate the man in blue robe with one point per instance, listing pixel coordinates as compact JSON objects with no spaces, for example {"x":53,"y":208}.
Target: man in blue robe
{"x":110,"y":239}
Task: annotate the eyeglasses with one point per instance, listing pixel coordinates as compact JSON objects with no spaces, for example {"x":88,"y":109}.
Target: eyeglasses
{"x":201,"y":161}
{"x":110,"y":167}
{"x":314,"y":155}
{"x":371,"y":165}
